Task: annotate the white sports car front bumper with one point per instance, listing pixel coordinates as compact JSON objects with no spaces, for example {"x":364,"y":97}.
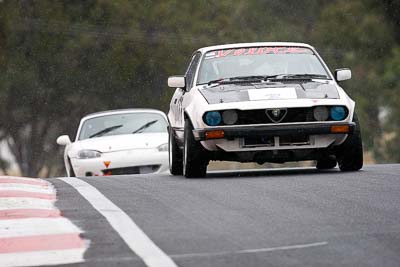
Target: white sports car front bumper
{"x":137,"y":161}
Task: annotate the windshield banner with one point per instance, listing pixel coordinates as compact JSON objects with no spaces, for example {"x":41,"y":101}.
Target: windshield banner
{"x":257,"y":51}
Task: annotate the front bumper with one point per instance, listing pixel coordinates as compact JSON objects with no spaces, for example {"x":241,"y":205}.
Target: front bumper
{"x":232,"y":132}
{"x":121,"y":159}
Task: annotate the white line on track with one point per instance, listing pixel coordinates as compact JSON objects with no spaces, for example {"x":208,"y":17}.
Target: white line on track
{"x":223,"y":253}
{"x":133,"y":236}
{"x":36,"y":226}
{"x":49,"y":257}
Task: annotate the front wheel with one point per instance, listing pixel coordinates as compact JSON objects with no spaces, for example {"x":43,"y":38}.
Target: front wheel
{"x":174,"y":155}
{"x":350,"y":153}
{"x":195,"y":159}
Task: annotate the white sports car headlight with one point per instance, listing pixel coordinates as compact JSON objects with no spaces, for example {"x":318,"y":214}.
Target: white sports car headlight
{"x":88,"y":154}
{"x":163,"y":148}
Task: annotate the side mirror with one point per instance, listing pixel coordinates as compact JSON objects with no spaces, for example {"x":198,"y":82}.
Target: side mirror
{"x":63,"y":140}
{"x":342,"y":74}
{"x":177,"y":81}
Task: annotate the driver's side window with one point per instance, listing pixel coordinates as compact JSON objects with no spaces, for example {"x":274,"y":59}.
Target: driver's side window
{"x":191,"y":71}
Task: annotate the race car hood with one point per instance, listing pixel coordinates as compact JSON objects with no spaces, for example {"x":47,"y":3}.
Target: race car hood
{"x":227,"y":93}
{"x":122,"y":142}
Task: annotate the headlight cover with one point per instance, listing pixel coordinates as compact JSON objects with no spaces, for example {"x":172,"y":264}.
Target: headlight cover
{"x":88,"y":154}
{"x":163,"y":147}
{"x":212,"y":118}
{"x":338,"y":113}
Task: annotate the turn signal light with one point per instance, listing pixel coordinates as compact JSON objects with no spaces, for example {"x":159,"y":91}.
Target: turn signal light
{"x":340,"y":129}
{"x":217,"y":134}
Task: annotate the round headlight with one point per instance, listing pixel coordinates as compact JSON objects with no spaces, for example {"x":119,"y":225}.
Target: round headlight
{"x":338,"y":113}
{"x":321,"y":113}
{"x":213,"y":118}
{"x":229,"y":117}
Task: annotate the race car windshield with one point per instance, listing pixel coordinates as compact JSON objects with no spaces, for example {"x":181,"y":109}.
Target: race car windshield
{"x":260,"y":62}
{"x":125,"y":123}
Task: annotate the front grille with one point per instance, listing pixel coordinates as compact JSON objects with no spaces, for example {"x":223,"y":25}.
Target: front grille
{"x":132,"y":170}
{"x":258,"y":116}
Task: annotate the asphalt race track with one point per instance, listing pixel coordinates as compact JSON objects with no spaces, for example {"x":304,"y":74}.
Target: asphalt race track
{"x":278,"y":217}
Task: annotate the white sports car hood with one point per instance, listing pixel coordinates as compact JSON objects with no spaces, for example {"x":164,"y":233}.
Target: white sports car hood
{"x":227,"y":93}
{"x":123,"y":142}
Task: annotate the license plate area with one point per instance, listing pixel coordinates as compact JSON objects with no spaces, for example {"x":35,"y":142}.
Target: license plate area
{"x":257,"y":141}
{"x":294,"y":140}
{"x":271,"y":141}
{"x":132,"y":170}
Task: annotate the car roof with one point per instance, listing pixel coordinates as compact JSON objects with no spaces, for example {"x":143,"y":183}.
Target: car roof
{"x":256,"y":44}
{"x":121,"y":111}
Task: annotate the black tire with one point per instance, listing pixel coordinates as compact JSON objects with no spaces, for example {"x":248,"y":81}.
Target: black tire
{"x":350,"y":153}
{"x":195,"y":159}
{"x":174,"y":155}
{"x":326,"y":163}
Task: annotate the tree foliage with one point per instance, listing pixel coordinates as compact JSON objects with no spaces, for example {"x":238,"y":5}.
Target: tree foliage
{"x":60,"y":60}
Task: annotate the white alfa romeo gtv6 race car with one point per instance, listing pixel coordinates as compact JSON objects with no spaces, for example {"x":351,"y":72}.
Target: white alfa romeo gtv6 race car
{"x":261,"y":102}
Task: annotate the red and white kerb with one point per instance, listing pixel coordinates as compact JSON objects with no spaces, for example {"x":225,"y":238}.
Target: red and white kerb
{"x":32,"y":230}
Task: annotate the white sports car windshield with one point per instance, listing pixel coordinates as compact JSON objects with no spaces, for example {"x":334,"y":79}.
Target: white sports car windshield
{"x":259,"y":61}
{"x":125,"y":123}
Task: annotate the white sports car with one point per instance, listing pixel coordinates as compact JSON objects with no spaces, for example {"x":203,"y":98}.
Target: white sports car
{"x":130,"y":141}
{"x":261,"y":102}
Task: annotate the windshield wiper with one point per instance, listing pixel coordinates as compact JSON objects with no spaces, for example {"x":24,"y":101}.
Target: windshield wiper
{"x":255,"y":78}
{"x":258,"y":78}
{"x":217,"y":81}
{"x":106,"y":130}
{"x":266,"y":77}
{"x":304,"y":76}
{"x":147,"y":125}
